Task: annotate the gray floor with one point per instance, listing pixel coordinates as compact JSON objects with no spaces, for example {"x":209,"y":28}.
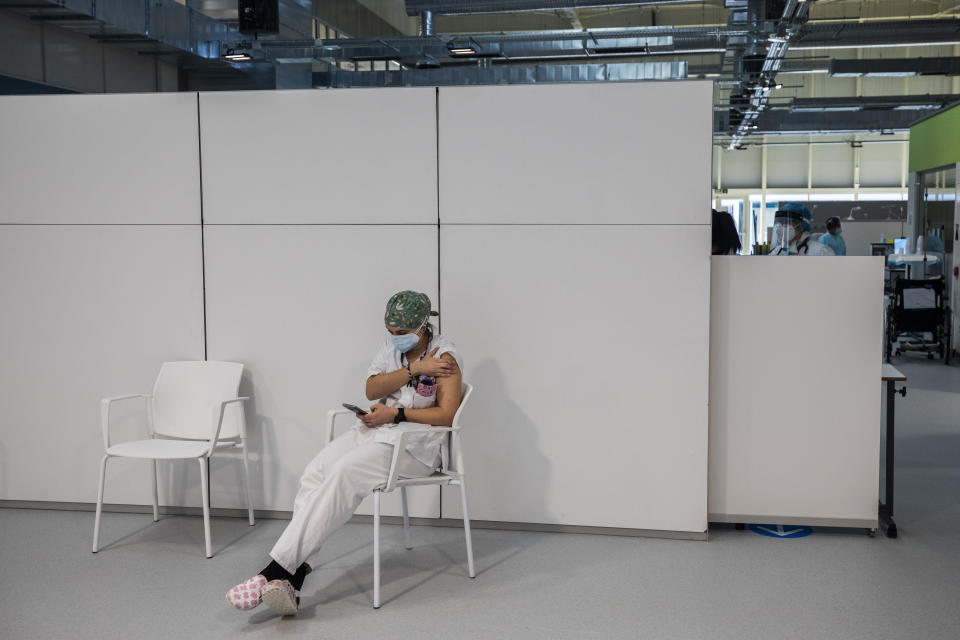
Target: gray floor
{"x":151,"y":581}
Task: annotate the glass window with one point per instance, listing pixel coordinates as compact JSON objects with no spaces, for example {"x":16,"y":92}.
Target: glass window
{"x":936,"y":213}
{"x":886,"y":197}
{"x":831,"y":197}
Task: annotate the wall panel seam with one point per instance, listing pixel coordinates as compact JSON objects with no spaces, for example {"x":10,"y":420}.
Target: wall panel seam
{"x":320,"y":224}
{"x":99,"y":224}
{"x":574,"y":224}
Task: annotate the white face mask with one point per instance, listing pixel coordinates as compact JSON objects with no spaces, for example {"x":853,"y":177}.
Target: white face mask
{"x":405,"y":342}
{"x":787,"y":233}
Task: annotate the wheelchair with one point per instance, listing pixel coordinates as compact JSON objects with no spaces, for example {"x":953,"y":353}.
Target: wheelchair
{"x":918,"y":308}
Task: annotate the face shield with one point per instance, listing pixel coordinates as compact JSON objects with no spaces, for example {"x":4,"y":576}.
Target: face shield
{"x":786,"y":226}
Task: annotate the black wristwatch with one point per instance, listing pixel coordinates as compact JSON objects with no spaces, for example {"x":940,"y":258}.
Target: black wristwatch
{"x":401,"y":416}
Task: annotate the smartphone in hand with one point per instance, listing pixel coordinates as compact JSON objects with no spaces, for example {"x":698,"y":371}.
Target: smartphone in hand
{"x":357,"y":410}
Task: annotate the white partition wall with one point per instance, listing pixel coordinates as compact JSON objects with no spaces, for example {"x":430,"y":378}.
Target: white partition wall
{"x":794,"y":431}
{"x":590,"y":371}
{"x":623,"y":153}
{"x":101,"y":259}
{"x":302,"y":307}
{"x":304,"y":247}
{"x":99,"y":159}
{"x":350,"y":156}
{"x":572,"y":271}
{"x":575,"y":277}
{"x":88,"y":312}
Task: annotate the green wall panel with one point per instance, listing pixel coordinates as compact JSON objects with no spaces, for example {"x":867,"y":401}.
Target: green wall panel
{"x":935,"y":142}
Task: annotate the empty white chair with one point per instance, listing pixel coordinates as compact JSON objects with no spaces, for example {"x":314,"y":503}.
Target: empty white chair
{"x":193,"y":411}
{"x":451,"y":472}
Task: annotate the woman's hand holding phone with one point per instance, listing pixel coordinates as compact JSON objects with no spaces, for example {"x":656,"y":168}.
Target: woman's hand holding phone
{"x":357,"y":410}
{"x":380,"y":414}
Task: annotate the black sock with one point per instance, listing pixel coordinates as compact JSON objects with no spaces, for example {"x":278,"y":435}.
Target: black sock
{"x":300,"y":575}
{"x":274,"y":571}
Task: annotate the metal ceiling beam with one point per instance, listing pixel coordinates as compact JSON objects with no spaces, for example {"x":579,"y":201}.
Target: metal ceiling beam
{"x":473,"y":7}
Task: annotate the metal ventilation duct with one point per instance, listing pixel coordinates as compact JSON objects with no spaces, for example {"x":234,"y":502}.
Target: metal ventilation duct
{"x":135,"y":21}
{"x":846,"y":35}
{"x":467,"y":7}
{"x":499,"y":48}
{"x":413,"y":49}
{"x":783,"y":122}
{"x":895,"y":67}
{"x":621,"y":72}
{"x":868,"y":103}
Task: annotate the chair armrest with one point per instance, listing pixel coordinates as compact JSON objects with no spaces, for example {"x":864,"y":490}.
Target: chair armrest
{"x":401,"y":446}
{"x":218,"y":421}
{"x":331,"y":420}
{"x":126,"y":397}
{"x":105,"y":413}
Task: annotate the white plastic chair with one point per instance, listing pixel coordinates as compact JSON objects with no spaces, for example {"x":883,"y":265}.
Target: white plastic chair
{"x":193,"y":411}
{"x":449,"y":473}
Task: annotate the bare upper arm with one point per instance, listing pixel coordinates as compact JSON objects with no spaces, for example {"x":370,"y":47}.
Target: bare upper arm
{"x":450,"y":387}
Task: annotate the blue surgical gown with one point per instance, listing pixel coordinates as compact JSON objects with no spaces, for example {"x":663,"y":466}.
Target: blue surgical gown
{"x":834,"y":242}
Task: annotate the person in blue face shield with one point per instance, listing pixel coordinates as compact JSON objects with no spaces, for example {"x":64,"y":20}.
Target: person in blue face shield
{"x":415,"y":377}
{"x":791,"y":235}
{"x":833,"y":238}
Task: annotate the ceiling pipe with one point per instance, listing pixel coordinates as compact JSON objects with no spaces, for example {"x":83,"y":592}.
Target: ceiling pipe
{"x":426,"y":23}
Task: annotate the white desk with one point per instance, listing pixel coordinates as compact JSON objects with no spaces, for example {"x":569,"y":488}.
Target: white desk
{"x":913,"y":261}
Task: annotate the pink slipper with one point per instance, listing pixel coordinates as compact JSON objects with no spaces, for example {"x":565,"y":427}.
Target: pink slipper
{"x":280,"y":596}
{"x":246,"y":595}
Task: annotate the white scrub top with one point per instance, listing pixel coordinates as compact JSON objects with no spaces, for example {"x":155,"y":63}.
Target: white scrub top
{"x":424,"y":448}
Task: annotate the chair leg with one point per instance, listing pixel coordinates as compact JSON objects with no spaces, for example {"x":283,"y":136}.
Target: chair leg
{"x":406,"y":519}
{"x":376,"y":548}
{"x":466,"y":529}
{"x":246,"y":484}
{"x":153,"y":478}
{"x":96,"y":519}
{"x":205,"y":497}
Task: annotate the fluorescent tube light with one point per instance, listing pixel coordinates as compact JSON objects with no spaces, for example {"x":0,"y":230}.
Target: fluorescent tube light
{"x":237,"y":56}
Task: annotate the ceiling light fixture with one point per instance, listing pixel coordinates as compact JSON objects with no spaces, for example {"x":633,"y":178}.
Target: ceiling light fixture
{"x":462,"y":48}
{"x":237,"y":56}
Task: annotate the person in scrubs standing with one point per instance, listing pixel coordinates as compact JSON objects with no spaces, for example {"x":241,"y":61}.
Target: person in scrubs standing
{"x":833,"y":238}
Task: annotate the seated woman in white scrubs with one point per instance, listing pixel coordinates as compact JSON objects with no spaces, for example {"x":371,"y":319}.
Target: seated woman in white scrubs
{"x":415,"y":377}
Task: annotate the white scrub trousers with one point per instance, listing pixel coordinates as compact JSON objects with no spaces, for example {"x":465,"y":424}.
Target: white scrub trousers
{"x":333,"y":485}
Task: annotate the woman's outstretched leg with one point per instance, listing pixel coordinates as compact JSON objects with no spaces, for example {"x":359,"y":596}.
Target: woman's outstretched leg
{"x":332,"y":487}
